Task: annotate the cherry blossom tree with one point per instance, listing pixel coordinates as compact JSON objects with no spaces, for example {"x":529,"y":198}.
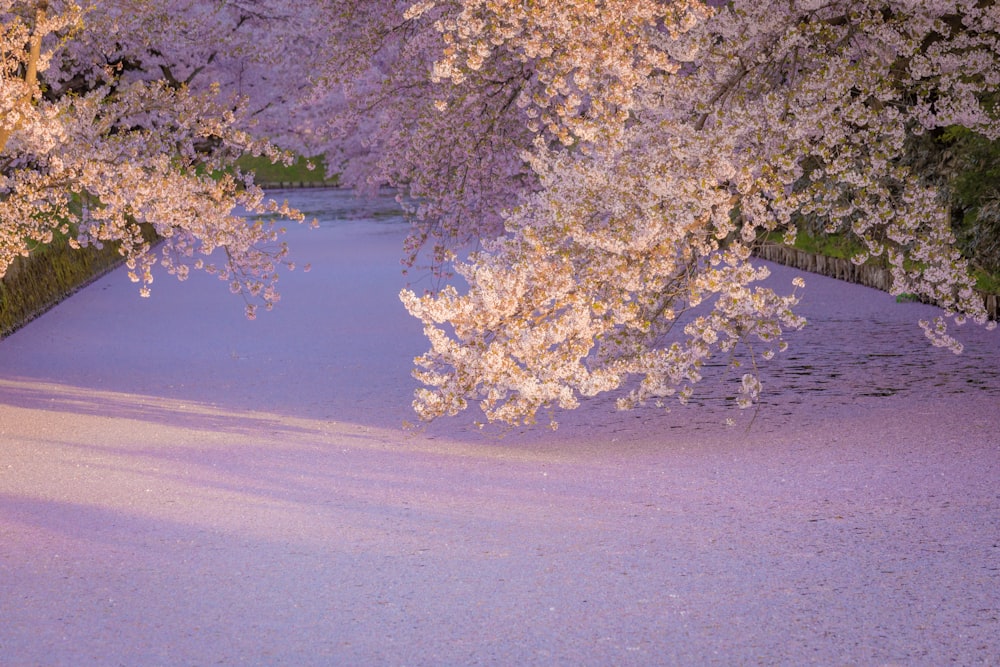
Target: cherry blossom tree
{"x":451,"y":151}
{"x":667,"y":141}
{"x":608,"y":167}
{"x":130,"y":112}
{"x":421,"y":104}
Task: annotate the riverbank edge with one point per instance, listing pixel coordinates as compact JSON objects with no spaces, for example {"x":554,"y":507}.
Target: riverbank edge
{"x":34,"y":285}
{"x":844,"y":269}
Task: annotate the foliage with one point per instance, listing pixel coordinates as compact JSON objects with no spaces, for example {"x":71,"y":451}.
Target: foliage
{"x":718,"y":129}
{"x":105,"y":104}
{"x":975,"y":193}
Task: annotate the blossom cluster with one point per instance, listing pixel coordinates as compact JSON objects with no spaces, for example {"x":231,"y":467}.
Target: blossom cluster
{"x":628,"y":267}
{"x":107,"y":127}
{"x":603,"y":169}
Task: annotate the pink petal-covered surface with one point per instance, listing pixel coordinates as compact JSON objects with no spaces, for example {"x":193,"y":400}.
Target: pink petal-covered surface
{"x":179,"y":486}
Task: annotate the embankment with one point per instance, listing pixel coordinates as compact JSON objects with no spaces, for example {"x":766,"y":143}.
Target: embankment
{"x":843,"y":269}
{"x":36,"y":283}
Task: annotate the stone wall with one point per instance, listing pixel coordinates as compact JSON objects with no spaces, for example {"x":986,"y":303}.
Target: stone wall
{"x":36,"y":283}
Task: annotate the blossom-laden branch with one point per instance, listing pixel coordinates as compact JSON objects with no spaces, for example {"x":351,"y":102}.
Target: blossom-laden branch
{"x":610,"y":164}
{"x":629,"y":265}
{"x":91,"y":152}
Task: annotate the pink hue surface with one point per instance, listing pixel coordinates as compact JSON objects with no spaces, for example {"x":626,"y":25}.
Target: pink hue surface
{"x":179,"y":486}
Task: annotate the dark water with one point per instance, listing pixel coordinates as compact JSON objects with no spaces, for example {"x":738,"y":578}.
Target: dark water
{"x":861,"y":344}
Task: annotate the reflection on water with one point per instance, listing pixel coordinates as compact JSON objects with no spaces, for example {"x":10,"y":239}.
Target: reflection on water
{"x":332,"y":206}
{"x":841,"y":360}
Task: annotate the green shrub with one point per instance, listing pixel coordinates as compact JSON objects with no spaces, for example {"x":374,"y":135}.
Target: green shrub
{"x":975,"y":197}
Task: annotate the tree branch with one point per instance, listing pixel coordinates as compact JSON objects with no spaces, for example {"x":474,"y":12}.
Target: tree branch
{"x":31,"y":75}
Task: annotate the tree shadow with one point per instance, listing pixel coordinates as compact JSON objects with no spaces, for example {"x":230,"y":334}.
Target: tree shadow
{"x":51,"y":397}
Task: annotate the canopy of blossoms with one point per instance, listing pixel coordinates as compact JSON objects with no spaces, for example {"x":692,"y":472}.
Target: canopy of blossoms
{"x":122,"y":113}
{"x":598,"y":173}
{"x":669,"y":139}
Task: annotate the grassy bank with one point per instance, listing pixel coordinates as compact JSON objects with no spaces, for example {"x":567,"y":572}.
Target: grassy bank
{"x":831,"y":257}
{"x":841,"y":247}
{"x":299,"y":174}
